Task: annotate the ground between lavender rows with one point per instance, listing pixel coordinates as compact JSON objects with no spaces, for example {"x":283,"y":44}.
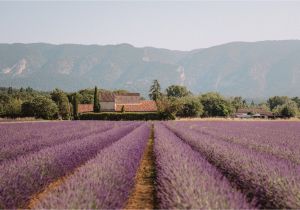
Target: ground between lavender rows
{"x":186,"y":180}
{"x":104,"y":182}
{"x":236,"y":164}
{"x":21,"y":178}
{"x":271,"y":181}
{"x":48,"y":137}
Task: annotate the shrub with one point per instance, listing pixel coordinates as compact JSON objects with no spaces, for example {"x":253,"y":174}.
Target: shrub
{"x":45,"y":108}
{"x":214,"y":105}
{"x":116,"y":116}
{"x":62,"y":102}
{"x":190,"y":107}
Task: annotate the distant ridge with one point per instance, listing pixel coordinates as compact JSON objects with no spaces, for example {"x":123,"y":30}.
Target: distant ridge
{"x":250,"y":69}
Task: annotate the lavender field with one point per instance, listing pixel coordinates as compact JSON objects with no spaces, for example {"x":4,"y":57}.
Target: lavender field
{"x":202,"y":165}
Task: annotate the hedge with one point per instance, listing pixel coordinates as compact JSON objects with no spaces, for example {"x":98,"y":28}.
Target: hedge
{"x":116,"y":116}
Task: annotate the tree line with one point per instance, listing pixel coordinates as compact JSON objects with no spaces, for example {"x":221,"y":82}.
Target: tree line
{"x":178,"y":101}
{"x":57,"y":104}
{"x":174,"y":101}
{"x":50,"y":105}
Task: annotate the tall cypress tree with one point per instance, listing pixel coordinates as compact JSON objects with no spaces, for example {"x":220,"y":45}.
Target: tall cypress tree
{"x":75,"y":106}
{"x":96,"y":101}
{"x":155,"y":91}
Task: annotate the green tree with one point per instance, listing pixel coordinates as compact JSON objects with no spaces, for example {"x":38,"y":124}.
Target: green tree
{"x":245,"y":103}
{"x":190,"y":107}
{"x":75,"y":106}
{"x":288,"y":109}
{"x":264,"y":106}
{"x":29,"y":90}
{"x":10,"y":90}
{"x":238,"y":103}
{"x":4,"y":100}
{"x":2,"y":110}
{"x":177,"y":91}
{"x":13,"y":108}
{"x":96,"y":101}
{"x":62,"y":102}
{"x":86,"y":96}
{"x":27,"y":109}
{"x":275,"y":101}
{"x":297,"y":101}
{"x":44,"y":107}
{"x":168,"y":108}
{"x":155,"y":91}
{"x":215,"y":105}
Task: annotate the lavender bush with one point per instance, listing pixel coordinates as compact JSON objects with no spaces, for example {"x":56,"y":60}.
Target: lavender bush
{"x":13,"y":133}
{"x":48,"y":137}
{"x":21,"y":178}
{"x":197,"y":163}
{"x":280,"y":139}
{"x":186,"y":180}
{"x":274,"y":182}
{"x":104,"y":182}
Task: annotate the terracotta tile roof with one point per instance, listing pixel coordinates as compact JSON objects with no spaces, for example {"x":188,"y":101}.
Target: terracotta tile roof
{"x":143,"y":106}
{"x":107,"y":97}
{"x":127,"y":99}
{"x":124,"y":98}
{"x":85,"y":108}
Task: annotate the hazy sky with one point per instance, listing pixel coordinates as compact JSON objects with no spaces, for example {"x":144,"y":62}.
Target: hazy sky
{"x":173,"y":25}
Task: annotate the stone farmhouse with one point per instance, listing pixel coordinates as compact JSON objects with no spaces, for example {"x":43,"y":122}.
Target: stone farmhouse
{"x":112,"y":102}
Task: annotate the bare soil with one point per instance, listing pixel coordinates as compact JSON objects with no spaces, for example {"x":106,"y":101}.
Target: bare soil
{"x":144,"y":194}
{"x":36,"y":198}
{"x":48,"y":189}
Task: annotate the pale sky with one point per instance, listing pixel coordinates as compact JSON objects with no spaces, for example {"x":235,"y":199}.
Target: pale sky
{"x":165,"y":24}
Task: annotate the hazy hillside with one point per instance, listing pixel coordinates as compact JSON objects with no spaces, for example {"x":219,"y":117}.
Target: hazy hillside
{"x":257,"y":69}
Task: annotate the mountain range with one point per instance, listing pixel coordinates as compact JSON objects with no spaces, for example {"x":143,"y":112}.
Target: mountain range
{"x":248,"y":69}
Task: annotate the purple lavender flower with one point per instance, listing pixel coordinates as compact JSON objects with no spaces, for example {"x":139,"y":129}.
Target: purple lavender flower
{"x":274,"y":182}
{"x":104,"y":182}
{"x":27,"y":175}
{"x":186,"y":180}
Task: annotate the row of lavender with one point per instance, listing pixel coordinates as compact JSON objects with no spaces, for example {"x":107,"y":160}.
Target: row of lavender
{"x":270,"y":177}
{"x":25,"y":138}
{"x":280,"y":139}
{"x":104,"y":182}
{"x":187,"y":181}
{"x":22,"y":177}
{"x":199,"y":165}
{"x":107,"y":180}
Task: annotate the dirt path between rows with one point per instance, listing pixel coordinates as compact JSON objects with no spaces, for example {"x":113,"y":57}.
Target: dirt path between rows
{"x":144,"y":194}
{"x":35,"y":199}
